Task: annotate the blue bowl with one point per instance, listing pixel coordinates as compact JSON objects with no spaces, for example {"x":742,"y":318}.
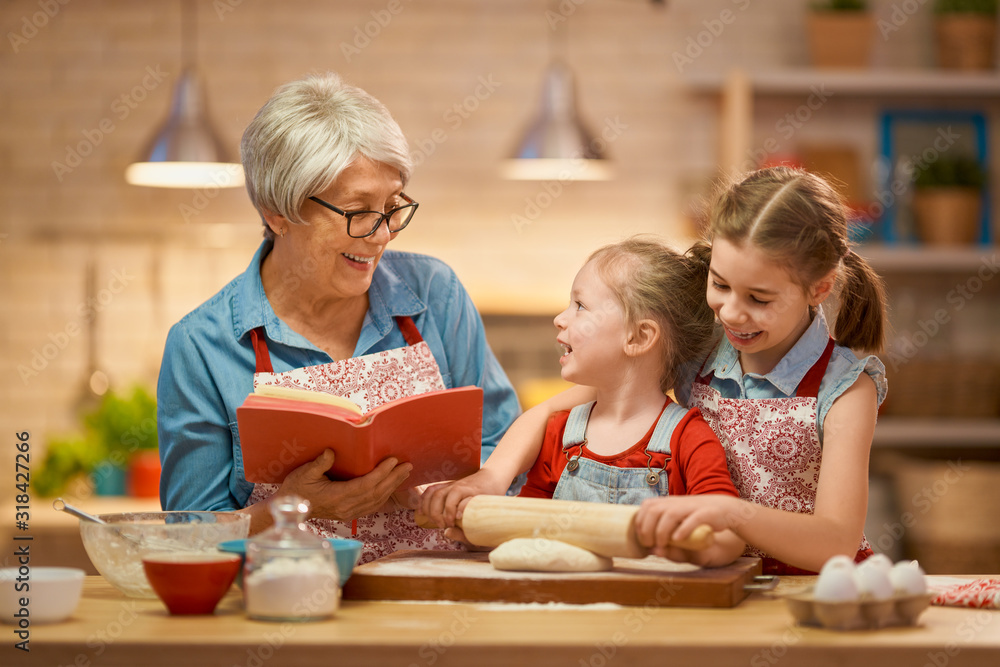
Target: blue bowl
{"x":345,"y":551}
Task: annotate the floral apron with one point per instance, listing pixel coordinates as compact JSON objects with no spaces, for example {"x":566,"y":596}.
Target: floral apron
{"x":772,"y":448}
{"x":369,"y":381}
{"x":592,"y":481}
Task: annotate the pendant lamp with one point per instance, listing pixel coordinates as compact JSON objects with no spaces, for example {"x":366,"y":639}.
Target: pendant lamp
{"x":186,"y":151}
{"x":557,"y":145}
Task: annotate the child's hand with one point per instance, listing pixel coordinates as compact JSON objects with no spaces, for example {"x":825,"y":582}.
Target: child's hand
{"x":661,"y":521}
{"x":442,"y":504}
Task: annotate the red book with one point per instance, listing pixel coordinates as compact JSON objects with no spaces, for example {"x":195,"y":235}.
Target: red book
{"x":439,"y":432}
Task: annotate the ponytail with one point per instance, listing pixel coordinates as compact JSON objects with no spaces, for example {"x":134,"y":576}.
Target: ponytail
{"x":701,"y":252}
{"x":861,"y":318}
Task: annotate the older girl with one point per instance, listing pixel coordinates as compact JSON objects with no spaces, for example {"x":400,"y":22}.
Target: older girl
{"x":794,"y":407}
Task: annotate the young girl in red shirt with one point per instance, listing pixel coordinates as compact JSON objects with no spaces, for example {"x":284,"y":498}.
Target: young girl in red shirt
{"x":625,"y":341}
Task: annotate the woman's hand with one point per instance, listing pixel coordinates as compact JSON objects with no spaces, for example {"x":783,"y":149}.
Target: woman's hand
{"x":348,"y":500}
{"x":442,"y":504}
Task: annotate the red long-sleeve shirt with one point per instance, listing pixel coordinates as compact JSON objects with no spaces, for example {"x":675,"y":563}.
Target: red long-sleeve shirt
{"x":697,"y":463}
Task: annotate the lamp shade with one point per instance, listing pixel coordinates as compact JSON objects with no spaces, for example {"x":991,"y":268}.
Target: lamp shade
{"x":557,"y":144}
{"x":186,"y":152}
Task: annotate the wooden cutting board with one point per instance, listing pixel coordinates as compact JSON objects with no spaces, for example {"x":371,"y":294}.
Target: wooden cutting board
{"x":468,"y":576}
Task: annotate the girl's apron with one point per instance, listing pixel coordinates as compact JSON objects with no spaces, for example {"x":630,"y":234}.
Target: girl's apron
{"x":369,"y":381}
{"x":772,"y":448}
{"x":592,"y":481}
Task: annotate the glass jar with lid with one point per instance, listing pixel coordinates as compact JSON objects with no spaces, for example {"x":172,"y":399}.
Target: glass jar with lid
{"x":290,"y":574}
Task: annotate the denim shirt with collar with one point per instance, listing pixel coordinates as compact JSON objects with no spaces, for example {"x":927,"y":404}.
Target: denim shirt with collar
{"x":782,"y":381}
{"x":208,"y":367}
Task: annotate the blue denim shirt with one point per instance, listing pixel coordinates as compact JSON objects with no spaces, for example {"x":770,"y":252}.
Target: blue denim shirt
{"x":208,"y":367}
{"x":843,"y":370}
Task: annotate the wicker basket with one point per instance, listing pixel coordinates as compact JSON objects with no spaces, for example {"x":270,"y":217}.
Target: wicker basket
{"x":949,"y":509}
{"x":957,"y":388}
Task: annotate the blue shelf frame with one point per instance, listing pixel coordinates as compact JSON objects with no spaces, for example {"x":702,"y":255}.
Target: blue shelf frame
{"x":890,"y":120}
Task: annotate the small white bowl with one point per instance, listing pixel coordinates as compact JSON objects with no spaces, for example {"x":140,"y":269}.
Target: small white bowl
{"x":43,"y":595}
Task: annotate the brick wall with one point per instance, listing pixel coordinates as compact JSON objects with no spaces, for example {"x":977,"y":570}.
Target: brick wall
{"x":85,"y":84}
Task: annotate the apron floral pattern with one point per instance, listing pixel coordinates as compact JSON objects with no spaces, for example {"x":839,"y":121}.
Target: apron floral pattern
{"x":369,"y":381}
{"x":772,"y":445}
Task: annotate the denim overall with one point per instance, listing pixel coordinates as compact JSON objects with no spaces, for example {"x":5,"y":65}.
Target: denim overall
{"x":591,"y":481}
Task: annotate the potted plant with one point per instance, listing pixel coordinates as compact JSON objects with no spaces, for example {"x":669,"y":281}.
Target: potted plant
{"x":117,"y":449}
{"x":966,"y":33}
{"x":840,"y":33}
{"x":947,"y":200}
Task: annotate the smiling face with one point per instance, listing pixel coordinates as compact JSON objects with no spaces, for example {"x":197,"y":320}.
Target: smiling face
{"x":332,"y":263}
{"x":592,"y":331}
{"x":763,"y":311}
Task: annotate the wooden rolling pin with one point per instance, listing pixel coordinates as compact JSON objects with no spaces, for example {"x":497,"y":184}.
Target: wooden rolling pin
{"x":608,"y":530}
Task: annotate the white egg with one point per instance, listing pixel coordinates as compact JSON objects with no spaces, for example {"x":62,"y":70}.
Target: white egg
{"x":872,"y":578}
{"x":907,"y":578}
{"x":880,"y":561}
{"x":837,"y":562}
{"x":836,"y":581}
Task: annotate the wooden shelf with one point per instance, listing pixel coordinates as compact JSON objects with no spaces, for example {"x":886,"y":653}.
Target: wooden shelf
{"x":871,"y":82}
{"x":925,"y":433}
{"x":939,"y":259}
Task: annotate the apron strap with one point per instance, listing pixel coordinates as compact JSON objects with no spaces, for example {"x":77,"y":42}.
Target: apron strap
{"x":671,"y":416}
{"x":809,"y":386}
{"x":409,"y":330}
{"x":259,"y":341}
{"x":576,"y":425}
{"x":260,"y":350}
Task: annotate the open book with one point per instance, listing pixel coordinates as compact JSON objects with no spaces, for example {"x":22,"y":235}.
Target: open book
{"x":439,"y":432}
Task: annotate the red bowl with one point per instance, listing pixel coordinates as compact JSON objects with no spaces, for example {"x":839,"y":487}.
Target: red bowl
{"x":191,"y":583}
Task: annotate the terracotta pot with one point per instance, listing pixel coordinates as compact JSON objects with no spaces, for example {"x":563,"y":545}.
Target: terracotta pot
{"x":947,"y":216}
{"x":840,"y":39}
{"x":144,"y":475}
{"x":966,"y":41}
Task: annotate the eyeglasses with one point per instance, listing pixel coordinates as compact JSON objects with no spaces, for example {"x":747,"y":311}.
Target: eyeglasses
{"x":364,"y":223}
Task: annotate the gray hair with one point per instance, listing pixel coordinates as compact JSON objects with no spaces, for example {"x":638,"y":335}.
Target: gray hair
{"x":307,"y":134}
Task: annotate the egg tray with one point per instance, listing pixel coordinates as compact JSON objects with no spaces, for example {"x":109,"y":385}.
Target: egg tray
{"x":865,"y":614}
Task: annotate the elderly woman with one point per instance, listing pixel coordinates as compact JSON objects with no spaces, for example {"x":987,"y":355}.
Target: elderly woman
{"x":325,"y":167}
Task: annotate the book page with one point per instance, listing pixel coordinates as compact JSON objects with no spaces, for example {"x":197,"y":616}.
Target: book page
{"x":274,"y":391}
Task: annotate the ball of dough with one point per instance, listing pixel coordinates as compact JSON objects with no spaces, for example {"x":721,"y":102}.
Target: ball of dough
{"x":535,"y":554}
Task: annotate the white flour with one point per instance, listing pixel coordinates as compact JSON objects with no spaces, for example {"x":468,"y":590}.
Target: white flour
{"x":292,"y":589}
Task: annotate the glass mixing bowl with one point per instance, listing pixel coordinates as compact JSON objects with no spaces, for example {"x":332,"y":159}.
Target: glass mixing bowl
{"x":117,"y":547}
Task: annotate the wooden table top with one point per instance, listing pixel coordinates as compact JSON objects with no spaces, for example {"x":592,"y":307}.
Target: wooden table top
{"x":110,"y":629}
